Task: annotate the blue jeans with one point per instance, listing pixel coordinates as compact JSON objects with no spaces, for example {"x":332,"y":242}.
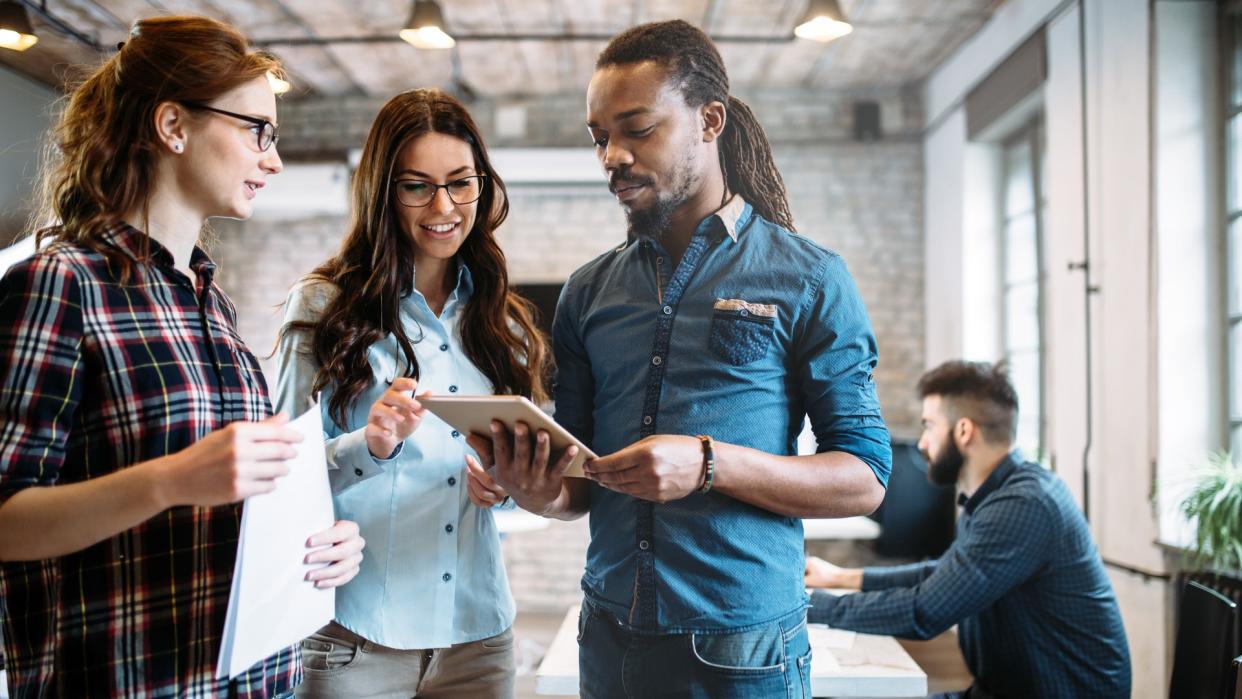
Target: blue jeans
{"x":773,"y":660}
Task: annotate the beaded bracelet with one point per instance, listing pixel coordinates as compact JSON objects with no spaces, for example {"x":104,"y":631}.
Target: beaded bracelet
{"x":709,"y":463}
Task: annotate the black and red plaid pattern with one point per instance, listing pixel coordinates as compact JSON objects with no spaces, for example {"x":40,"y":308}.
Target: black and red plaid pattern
{"x":95,"y":376}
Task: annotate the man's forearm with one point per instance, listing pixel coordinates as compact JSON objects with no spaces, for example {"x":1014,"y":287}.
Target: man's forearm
{"x":831,"y":484}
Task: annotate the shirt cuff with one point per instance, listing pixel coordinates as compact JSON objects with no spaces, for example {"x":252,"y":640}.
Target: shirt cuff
{"x":351,"y":462}
{"x":821,"y":608}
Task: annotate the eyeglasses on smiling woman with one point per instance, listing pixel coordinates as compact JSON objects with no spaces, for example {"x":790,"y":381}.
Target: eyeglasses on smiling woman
{"x":419,"y":193}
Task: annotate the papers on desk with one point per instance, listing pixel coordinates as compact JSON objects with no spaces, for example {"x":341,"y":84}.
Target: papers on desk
{"x":271,"y":605}
{"x":824,"y":636}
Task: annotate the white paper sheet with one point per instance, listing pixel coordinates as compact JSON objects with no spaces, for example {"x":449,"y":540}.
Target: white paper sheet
{"x":824,"y":636}
{"x":271,"y":605}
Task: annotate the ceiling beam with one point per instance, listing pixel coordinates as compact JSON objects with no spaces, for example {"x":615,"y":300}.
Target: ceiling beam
{"x":517,"y":36}
{"x":59,"y":25}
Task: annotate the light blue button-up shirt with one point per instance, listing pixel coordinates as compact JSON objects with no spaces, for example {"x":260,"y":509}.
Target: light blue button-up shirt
{"x":432,"y":574}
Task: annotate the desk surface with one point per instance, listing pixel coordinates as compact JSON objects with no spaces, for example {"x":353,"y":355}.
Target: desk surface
{"x":844,"y":528}
{"x":871,"y":666}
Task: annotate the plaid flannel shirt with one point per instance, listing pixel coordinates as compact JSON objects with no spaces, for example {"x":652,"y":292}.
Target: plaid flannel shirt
{"x":96,"y":376}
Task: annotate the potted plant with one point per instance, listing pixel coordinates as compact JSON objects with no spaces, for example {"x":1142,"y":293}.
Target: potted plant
{"x":1214,"y":506}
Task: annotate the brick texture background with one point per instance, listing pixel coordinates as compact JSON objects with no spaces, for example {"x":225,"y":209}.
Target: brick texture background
{"x":863,"y":200}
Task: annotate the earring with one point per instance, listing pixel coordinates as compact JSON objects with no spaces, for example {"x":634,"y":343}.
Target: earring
{"x":177,"y":147}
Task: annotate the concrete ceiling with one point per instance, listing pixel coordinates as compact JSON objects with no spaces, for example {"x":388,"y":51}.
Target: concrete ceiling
{"x":895,"y":42}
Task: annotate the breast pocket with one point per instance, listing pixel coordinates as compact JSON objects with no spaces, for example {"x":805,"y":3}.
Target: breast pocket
{"x":741,"y":332}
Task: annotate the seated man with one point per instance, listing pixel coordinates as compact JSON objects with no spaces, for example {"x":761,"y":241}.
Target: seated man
{"x":1023,"y":581}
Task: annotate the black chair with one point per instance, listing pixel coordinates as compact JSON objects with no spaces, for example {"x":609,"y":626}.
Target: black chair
{"x":1206,"y":645}
{"x":916,"y":518}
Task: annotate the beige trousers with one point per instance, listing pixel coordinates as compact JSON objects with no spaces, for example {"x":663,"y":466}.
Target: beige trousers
{"x":339,"y":664}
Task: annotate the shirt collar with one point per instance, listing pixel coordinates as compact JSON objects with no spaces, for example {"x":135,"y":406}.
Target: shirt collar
{"x":129,"y":241}
{"x":462,"y":290}
{"x":994,"y":480}
{"x":730,"y":217}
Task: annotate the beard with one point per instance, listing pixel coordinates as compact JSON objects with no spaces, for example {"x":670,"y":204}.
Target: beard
{"x":653,"y":221}
{"x":945,"y":467}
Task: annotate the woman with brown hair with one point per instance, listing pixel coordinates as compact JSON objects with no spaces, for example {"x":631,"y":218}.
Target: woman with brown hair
{"x":417,"y":299}
{"x":132,"y":417}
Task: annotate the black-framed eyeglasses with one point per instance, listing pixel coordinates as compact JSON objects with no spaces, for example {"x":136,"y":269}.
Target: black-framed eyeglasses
{"x":418,"y":193}
{"x":264,"y":130}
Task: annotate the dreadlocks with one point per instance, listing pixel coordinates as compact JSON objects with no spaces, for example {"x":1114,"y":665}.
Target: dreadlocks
{"x":697,"y":71}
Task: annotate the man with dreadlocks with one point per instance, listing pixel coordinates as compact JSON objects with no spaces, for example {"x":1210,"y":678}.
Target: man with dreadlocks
{"x":688,"y":357}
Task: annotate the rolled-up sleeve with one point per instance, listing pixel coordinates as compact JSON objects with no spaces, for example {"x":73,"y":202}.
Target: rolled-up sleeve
{"x":836,"y":357}
{"x":349,"y":459}
{"x":41,"y":333}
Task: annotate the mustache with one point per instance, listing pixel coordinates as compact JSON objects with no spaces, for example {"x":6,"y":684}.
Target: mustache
{"x":623,"y":180}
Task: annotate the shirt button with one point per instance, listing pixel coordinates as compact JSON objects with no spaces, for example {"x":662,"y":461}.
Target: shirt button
{"x":668,"y":310}
{"x":452,"y":480}
{"x":644,"y":545}
{"x":456,"y":434}
{"x":656,"y":360}
{"x":444,"y":347}
{"x":357,"y":472}
{"x":446,"y":577}
{"x":452,"y":389}
{"x":659,"y":260}
{"x":646,"y":419}
{"x":448,"y":528}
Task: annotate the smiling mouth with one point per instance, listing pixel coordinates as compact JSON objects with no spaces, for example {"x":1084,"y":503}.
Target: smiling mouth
{"x":440,"y":228}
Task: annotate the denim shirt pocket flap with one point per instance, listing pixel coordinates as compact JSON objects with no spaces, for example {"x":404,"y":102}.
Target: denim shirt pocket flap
{"x":741,"y":332}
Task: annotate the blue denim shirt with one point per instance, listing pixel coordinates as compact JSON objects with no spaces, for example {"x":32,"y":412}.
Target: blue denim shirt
{"x":756,"y":328}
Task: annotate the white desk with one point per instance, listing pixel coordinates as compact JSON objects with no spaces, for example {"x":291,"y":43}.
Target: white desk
{"x":844,"y":528}
{"x":873,"y":666}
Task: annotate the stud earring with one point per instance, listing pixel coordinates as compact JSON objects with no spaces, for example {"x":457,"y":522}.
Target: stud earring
{"x":177,"y":147}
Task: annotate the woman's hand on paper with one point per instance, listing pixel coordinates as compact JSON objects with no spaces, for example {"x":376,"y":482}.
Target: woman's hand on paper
{"x":230,"y":464}
{"x":343,"y":554}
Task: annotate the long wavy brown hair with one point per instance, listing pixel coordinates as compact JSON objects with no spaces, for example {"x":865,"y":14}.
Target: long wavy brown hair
{"x":100,"y":160}
{"x":375,"y":267}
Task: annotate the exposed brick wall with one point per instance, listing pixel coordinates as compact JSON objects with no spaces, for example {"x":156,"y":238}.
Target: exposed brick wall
{"x":863,"y":200}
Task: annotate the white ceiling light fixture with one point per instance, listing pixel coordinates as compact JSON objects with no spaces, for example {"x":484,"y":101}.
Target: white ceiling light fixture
{"x":425,"y":30}
{"x":16,"y":34}
{"x":823,"y":22}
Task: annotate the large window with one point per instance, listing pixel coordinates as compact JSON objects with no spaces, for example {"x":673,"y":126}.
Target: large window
{"x":1233,"y":223}
{"x":1024,"y":209}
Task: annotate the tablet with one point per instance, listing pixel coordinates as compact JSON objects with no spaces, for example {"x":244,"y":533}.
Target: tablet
{"x":468,"y":414}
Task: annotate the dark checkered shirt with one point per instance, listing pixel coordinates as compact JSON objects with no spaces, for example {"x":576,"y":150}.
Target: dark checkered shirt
{"x":95,"y":376}
{"x":1023,"y":581}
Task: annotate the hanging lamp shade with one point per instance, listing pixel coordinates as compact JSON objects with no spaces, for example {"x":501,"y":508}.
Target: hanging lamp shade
{"x":823,"y":22}
{"x":425,"y":30}
{"x":16,"y":34}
